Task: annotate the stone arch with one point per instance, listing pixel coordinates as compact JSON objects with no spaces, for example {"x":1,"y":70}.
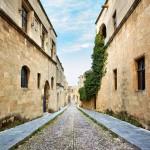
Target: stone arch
{"x":103,"y":30}
{"x":46,"y":96}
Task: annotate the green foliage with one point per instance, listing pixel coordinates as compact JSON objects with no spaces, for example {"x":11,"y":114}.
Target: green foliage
{"x":11,"y":121}
{"x":94,"y":76}
{"x":123,"y":115}
{"x":90,"y":85}
{"x":82,"y":94}
{"x":99,"y":58}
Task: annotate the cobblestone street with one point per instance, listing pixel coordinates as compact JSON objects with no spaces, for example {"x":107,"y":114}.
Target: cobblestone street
{"x":74,"y":131}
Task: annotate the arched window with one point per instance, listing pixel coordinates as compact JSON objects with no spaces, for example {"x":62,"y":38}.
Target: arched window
{"x":25,"y":76}
{"x":103,"y":30}
{"x":52,"y":82}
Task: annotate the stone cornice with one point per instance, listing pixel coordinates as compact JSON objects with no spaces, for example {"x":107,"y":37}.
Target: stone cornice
{"x":101,"y":12}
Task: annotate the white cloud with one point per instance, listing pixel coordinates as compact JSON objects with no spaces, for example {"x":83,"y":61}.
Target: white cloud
{"x":76,"y":47}
{"x":77,"y":19}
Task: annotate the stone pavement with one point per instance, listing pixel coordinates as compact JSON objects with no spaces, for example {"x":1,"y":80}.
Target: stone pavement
{"x":74,"y":131}
{"x":11,"y":137}
{"x":134,"y":135}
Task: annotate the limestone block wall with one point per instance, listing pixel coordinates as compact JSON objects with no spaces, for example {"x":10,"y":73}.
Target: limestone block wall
{"x":130,"y":43}
{"x":16,"y":50}
{"x":12,"y":9}
{"x":60,"y":81}
{"x":36,"y":20}
{"x":88,"y":104}
{"x":121,"y":7}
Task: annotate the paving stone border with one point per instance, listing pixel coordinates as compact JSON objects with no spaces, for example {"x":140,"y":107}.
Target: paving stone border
{"x":12,"y":137}
{"x":137,"y":136}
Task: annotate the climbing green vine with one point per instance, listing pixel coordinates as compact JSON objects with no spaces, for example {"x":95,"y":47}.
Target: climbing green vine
{"x":94,"y":76}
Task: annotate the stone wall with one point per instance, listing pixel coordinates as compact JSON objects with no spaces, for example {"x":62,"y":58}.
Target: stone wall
{"x":17,"y":50}
{"x":121,"y":7}
{"x":130,"y":43}
{"x":60,"y":82}
{"x":36,"y":21}
{"x":88,"y":104}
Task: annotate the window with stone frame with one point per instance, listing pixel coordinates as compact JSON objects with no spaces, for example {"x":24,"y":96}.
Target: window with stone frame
{"x":36,"y":23}
{"x":24,"y":76}
{"x":141,"y":73}
{"x":115,"y":78}
{"x":52,"y":82}
{"x":24,"y":18}
{"x":38,"y":80}
{"x":114,"y":17}
{"x":53,"y":49}
{"x":43,"y":38}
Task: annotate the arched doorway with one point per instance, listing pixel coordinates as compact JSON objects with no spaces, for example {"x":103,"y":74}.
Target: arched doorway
{"x":46,"y":96}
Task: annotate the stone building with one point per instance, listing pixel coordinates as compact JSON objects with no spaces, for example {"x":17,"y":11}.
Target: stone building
{"x":61,"y":85}
{"x":27,"y":59}
{"x":126,"y":85}
{"x":72,"y":94}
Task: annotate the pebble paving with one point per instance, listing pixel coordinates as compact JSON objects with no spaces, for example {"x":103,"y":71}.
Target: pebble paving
{"x":74,"y":131}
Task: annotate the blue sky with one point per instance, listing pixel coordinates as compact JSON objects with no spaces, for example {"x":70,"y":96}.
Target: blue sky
{"x":74,"y":22}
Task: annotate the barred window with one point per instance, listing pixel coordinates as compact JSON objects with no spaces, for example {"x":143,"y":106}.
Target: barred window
{"x":53,"y":48}
{"x":141,"y":73}
{"x":24,"y":19}
{"x":24,"y":76}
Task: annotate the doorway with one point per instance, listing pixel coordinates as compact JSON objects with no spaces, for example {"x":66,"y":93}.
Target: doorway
{"x":46,"y":96}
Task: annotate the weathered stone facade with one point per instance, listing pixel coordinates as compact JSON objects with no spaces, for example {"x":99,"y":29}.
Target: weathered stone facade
{"x":61,"y":85}
{"x":31,"y":48}
{"x":80,"y":85}
{"x":127,"y":42}
{"x":72,"y":94}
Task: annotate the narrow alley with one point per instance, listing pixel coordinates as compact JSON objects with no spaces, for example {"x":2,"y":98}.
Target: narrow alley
{"x":74,"y":131}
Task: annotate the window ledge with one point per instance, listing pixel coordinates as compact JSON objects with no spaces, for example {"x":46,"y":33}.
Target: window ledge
{"x":25,"y":89}
{"x":140,"y":91}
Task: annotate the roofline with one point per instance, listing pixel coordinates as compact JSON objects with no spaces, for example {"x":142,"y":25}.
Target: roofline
{"x":60,"y":62}
{"x":101,"y":12}
{"x":47,"y":17}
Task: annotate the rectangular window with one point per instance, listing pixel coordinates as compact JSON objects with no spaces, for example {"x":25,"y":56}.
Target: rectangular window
{"x":53,"y":49}
{"x":115,"y":79}
{"x":43,"y":38}
{"x":36,"y":24}
{"x":38,"y":80}
{"x":24,"y":19}
{"x":141,"y":73}
{"x":115,"y":19}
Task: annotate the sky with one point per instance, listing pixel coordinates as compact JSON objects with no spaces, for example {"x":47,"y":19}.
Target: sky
{"x":74,"y":23}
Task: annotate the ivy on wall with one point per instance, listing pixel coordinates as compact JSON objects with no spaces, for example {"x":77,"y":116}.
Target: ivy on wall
{"x":94,"y":76}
